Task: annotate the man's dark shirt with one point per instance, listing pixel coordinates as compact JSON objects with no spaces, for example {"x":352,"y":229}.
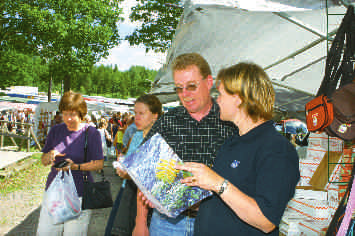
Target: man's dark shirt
{"x":192,"y":140}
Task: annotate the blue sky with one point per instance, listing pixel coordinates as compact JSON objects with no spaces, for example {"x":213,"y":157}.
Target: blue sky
{"x":125,"y":56}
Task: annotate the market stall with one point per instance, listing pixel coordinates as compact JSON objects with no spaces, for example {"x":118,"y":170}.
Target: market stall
{"x":290,"y":40}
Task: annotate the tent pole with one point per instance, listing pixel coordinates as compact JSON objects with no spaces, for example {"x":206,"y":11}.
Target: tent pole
{"x":301,"y":24}
{"x":312,"y":44}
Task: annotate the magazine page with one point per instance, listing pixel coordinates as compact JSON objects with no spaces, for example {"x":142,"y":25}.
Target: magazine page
{"x":152,"y":168}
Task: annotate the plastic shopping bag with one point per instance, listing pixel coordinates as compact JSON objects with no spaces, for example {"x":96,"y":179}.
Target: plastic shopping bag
{"x":62,"y":200}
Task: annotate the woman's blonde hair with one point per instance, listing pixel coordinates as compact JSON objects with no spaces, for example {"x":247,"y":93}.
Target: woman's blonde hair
{"x":250,"y":82}
{"x":102,"y":123}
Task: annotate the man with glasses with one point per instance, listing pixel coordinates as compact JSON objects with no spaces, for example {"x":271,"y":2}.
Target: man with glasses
{"x":194,"y":131}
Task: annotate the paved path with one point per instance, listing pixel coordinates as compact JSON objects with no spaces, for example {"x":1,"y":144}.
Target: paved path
{"x":99,"y":217}
{"x":8,"y":158}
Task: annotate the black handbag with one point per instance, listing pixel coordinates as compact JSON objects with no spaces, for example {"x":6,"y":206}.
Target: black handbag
{"x":96,"y":195}
{"x":108,"y":141}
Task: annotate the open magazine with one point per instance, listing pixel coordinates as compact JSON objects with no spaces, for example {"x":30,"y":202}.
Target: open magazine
{"x":151,"y":167}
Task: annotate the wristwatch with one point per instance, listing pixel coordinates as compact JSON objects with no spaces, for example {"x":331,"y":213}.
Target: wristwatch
{"x":223,"y":187}
{"x":78,"y":166}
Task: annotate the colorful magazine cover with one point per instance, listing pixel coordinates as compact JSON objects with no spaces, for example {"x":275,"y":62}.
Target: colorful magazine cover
{"x":151,"y":167}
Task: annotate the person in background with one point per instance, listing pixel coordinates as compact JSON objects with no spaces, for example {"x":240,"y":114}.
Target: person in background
{"x":57,"y":119}
{"x":129,"y":132}
{"x":117,"y":143}
{"x":256,"y":171}
{"x":147,"y":110}
{"x":66,"y":141}
{"x":115,"y":127}
{"x":194,"y":131}
{"x":89,"y":121}
{"x":124,"y":119}
{"x":119,"y":119}
{"x":105,"y":136}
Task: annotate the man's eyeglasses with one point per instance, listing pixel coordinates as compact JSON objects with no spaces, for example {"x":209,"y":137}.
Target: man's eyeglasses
{"x":190,"y":87}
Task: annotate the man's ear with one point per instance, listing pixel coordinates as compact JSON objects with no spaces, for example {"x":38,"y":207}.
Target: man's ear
{"x":210,"y":81}
{"x":155,"y":117}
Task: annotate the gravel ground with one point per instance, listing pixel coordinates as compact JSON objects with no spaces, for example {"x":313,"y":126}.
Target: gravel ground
{"x":19,"y":211}
{"x":16,"y":206}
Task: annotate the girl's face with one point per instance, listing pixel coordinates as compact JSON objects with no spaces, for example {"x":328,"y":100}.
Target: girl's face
{"x":228,"y":104}
{"x":144,"y":118}
{"x":72,"y":120}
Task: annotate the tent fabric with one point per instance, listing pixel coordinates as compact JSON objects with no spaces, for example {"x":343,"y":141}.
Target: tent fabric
{"x":290,"y":46}
{"x":272,"y":5}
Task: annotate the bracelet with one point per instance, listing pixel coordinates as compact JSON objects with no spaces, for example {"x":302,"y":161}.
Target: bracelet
{"x":223,"y":187}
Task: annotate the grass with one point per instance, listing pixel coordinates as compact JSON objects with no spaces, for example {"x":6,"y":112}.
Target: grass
{"x":27,"y":178}
{"x":8,"y":142}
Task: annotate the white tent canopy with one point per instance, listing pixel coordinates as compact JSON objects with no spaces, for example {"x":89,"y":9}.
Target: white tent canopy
{"x":291,"y":46}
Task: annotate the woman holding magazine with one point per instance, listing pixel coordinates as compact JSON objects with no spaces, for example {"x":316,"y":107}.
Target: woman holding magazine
{"x":256,"y":171}
{"x":147,"y":109}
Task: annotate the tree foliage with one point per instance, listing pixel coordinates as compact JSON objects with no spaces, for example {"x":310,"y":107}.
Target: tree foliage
{"x":100,"y":80}
{"x":19,"y":68}
{"x":159,"y":20}
{"x":69,"y":35}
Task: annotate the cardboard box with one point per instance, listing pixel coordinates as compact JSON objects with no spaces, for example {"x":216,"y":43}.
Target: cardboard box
{"x":320,"y":179}
{"x":310,"y":194}
{"x":313,"y":227}
{"x":315,"y":154}
{"x":307,"y":169}
{"x":322,"y":140}
{"x":312,"y":209}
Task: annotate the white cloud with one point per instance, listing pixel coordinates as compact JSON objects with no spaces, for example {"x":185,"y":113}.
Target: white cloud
{"x":125,"y":56}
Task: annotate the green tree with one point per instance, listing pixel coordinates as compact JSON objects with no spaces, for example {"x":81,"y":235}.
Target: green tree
{"x":159,"y":20}
{"x":70,"y":35}
{"x":19,"y":69}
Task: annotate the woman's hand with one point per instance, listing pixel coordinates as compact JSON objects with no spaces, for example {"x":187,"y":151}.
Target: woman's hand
{"x":67,"y":167}
{"x":123,"y":174}
{"x":145,"y":200}
{"x":120,"y":156}
{"x":202,"y":176}
{"x":49,"y":157}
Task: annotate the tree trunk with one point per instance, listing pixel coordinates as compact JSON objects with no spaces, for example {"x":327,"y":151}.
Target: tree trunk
{"x":67,"y":82}
{"x":50,"y":89}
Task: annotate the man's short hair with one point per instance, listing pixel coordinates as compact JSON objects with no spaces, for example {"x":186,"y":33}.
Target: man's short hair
{"x":183,"y":61}
{"x":252,"y":85}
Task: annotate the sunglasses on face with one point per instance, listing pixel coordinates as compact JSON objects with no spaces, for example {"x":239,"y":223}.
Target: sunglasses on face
{"x":190,"y":87}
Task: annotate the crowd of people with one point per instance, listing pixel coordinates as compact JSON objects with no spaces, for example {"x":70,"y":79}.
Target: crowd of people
{"x":14,"y":117}
{"x":229,"y":144}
